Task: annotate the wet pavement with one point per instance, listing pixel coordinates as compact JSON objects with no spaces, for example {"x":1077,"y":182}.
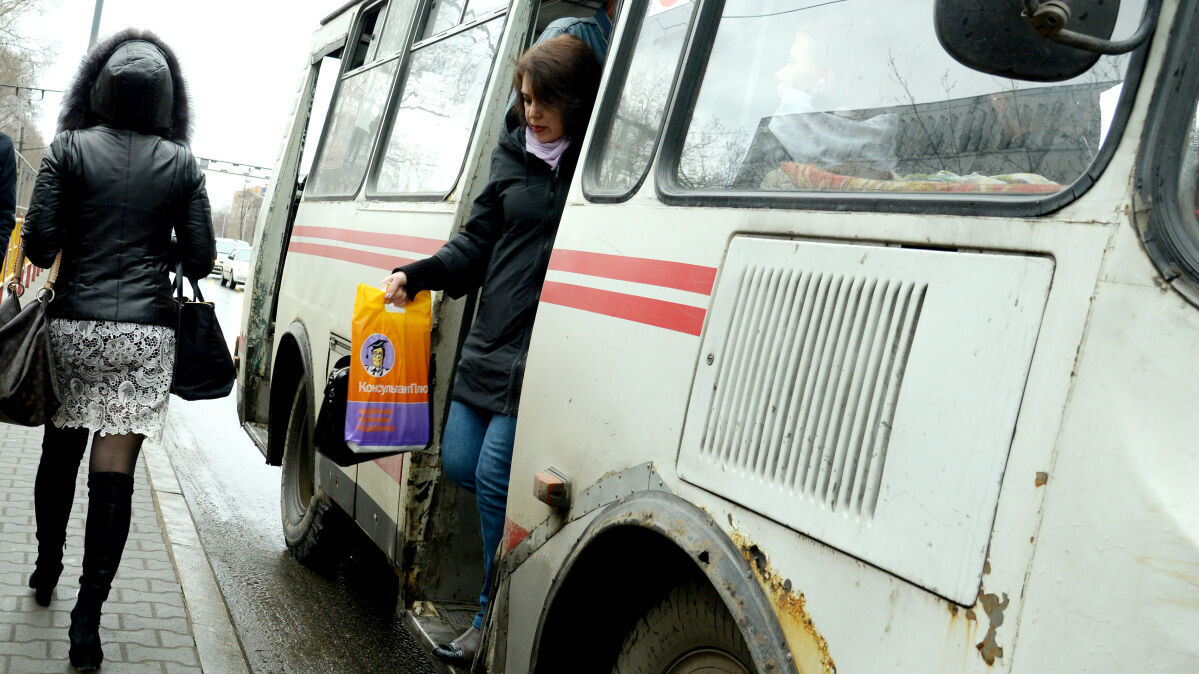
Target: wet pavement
{"x":289,"y":618}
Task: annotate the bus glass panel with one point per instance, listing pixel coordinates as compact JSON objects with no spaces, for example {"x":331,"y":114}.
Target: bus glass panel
{"x":858,"y":96}
{"x":437,"y":111}
{"x":395,"y":31}
{"x":629,"y":143}
{"x":346,"y":148}
{"x":443,"y":15}
{"x":478,"y":8}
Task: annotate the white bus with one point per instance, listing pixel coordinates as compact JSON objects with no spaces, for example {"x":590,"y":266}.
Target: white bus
{"x":869,"y":341}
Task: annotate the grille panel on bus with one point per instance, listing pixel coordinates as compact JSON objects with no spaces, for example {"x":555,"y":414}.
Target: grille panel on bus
{"x":807,"y":382}
{"x":866,"y":396}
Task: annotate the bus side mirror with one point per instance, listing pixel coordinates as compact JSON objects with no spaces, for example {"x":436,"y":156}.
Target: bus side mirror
{"x":1038,"y":40}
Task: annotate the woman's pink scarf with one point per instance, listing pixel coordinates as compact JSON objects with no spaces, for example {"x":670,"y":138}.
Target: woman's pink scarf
{"x":550,"y":153}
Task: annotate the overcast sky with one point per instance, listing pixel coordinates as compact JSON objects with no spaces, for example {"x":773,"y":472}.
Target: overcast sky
{"x":242,"y":60}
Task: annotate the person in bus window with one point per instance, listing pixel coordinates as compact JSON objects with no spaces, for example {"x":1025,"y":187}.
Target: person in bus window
{"x":116,"y":182}
{"x":505,"y":248}
{"x":596,"y":32}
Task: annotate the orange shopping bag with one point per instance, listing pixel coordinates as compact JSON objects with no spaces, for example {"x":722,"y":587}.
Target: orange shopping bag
{"x":387,"y":406}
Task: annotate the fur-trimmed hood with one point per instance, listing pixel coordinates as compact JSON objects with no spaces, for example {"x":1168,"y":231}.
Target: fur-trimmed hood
{"x":131,"y":80}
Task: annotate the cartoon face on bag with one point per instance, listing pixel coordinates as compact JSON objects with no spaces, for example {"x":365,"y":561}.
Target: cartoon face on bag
{"x":378,"y":355}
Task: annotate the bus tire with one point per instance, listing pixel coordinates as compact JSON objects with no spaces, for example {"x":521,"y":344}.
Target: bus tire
{"x":306,"y":518}
{"x":690,"y":630}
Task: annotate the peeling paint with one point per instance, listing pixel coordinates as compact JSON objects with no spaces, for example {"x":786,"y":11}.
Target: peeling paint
{"x":808,"y":647}
{"x":994,"y":607}
{"x":1042,"y":478}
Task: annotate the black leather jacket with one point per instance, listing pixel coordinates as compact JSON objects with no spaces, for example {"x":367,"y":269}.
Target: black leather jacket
{"x":110,"y":195}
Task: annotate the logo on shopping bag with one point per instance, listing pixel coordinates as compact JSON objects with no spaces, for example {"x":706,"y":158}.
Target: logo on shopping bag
{"x":378,"y":355}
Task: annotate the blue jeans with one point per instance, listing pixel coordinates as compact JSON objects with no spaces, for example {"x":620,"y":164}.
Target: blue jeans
{"x":476,"y":454}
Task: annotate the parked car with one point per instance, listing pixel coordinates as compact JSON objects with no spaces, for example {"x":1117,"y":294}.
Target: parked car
{"x":236,"y":267}
{"x":226,"y":247}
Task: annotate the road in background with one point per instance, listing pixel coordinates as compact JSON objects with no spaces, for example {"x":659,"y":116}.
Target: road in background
{"x":289,"y":618}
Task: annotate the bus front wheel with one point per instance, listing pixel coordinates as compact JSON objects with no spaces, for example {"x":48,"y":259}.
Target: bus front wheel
{"x":306,"y":517}
{"x":690,"y":630}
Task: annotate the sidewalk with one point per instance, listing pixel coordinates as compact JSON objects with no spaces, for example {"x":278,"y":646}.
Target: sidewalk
{"x":165,"y":613}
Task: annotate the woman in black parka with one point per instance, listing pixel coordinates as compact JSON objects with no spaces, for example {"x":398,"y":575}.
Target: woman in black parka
{"x":117,"y":182}
{"x":505,"y":247}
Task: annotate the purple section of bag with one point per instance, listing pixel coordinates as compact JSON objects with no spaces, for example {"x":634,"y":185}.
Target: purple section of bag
{"x":376,"y":427}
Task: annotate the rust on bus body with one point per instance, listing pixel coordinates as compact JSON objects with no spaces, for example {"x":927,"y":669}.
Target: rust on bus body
{"x":808,"y":647}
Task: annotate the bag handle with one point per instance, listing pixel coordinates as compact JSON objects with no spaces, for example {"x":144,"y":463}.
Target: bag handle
{"x":179,"y":296}
{"x":17,"y":288}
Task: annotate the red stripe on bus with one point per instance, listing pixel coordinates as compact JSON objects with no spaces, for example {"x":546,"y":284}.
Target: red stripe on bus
{"x":677,"y":275}
{"x":415,"y":244}
{"x":513,"y":535}
{"x":658,"y":313}
{"x":378,"y":260}
{"x":393,"y":466}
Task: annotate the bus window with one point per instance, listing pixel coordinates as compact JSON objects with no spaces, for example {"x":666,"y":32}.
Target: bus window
{"x":436,"y":114}
{"x":443,"y":15}
{"x":361,"y":102}
{"x":858,"y":96}
{"x":395,"y":33}
{"x":365,"y":46}
{"x":627,"y":145}
{"x":321,"y":98}
{"x":477,"y":8}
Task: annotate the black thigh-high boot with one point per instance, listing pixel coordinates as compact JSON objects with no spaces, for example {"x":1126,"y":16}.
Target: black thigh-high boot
{"x":108,"y":513}
{"x":53,"y":495}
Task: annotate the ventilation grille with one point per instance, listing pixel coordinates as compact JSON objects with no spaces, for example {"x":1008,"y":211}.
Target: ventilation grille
{"x":807,"y":381}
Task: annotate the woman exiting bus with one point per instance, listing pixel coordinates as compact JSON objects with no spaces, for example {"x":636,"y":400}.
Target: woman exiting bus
{"x":117,"y":182}
{"x":504,"y":247}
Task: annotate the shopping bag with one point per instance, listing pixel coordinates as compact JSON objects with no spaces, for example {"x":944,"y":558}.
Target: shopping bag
{"x":329,"y":437}
{"x":387,"y":405}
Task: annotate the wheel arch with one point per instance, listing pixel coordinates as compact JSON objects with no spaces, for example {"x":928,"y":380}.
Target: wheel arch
{"x":626,"y":559}
{"x":292,"y":367}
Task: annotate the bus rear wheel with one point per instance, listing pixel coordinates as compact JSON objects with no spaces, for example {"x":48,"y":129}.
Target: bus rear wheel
{"x":306,"y":518}
{"x":689,"y":631}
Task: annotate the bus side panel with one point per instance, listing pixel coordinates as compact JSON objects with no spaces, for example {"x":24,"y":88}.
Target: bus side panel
{"x":1117,"y":561}
{"x":605,"y":391}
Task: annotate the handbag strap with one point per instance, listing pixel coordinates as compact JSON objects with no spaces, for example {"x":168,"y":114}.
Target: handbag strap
{"x":179,"y":296}
{"x":15,"y":282}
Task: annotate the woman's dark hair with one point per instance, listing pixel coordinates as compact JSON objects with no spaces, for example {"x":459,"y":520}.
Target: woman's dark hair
{"x":564,"y":74}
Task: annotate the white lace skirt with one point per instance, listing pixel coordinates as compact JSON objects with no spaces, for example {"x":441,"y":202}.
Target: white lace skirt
{"x":114,"y":378}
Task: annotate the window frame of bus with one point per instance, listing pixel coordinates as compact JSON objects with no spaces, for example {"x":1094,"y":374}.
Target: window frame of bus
{"x":686,"y":93}
{"x":401,"y":62}
{"x":621,"y":55}
{"x":394,"y":100}
{"x":1170,"y":241}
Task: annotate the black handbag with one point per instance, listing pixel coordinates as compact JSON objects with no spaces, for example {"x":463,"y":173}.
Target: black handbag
{"x":330,"y":433}
{"x":28,"y":382}
{"x":203,"y":365}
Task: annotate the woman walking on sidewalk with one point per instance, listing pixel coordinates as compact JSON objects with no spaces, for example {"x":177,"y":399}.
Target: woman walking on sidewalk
{"x":117,"y":181}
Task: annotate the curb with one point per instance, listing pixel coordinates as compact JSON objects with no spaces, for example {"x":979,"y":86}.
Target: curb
{"x":217,"y":644}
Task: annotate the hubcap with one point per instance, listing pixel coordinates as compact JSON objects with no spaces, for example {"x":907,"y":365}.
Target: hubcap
{"x":707,"y":661}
